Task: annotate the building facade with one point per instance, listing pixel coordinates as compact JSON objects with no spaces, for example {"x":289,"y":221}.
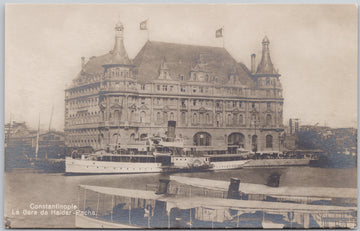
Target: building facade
{"x":214,"y":100}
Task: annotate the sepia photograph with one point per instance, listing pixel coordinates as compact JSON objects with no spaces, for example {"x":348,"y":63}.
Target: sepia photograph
{"x":187,"y":116}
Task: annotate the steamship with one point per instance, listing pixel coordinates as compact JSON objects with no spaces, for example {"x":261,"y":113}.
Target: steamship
{"x":168,"y":154}
{"x":154,"y":155}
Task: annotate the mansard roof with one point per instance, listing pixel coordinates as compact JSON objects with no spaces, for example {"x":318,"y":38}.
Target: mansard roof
{"x":181,"y":60}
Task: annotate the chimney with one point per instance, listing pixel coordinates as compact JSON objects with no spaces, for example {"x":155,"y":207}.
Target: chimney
{"x":171,"y":130}
{"x":233,"y":191}
{"x":82,"y":63}
{"x":253,"y":56}
{"x":163,"y":186}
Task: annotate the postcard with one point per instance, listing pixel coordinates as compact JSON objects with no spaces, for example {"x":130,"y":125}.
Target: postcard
{"x":136,"y":116}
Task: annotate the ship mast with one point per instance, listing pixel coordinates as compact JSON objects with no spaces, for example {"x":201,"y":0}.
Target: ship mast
{"x":47,"y":144}
{"x":37,"y":140}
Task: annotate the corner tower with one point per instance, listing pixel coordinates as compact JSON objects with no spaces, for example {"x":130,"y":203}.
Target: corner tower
{"x":266,"y":76}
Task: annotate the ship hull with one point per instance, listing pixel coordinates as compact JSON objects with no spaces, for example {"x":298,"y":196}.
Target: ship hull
{"x":227,"y":165}
{"x":277,"y":162}
{"x":77,"y":166}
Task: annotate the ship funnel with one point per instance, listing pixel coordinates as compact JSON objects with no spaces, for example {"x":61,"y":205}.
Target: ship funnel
{"x":233,"y":191}
{"x":171,"y":130}
{"x":163,"y":186}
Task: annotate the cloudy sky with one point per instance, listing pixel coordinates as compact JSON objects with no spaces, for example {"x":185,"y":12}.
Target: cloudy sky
{"x":313,"y":46}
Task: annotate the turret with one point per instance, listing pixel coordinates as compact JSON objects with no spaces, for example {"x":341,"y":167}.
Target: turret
{"x":119,"y":53}
{"x":266,"y":76}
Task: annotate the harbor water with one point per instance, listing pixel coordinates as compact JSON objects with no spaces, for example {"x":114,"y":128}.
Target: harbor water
{"x":26,"y":189}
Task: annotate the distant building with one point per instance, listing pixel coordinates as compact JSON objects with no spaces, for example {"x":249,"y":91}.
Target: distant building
{"x":214,"y":100}
{"x":294,"y":125}
{"x":346,"y":141}
{"x":21,"y":142}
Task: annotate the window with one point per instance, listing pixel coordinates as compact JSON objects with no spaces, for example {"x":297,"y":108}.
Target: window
{"x":117,"y":115}
{"x":143,"y":87}
{"x":181,"y":77}
{"x":269,"y":141}
{"x":267,"y":81}
{"x":183,"y":103}
{"x":194,"y":102}
{"x":164,"y":87}
{"x":268,"y":120}
{"x":253,"y":105}
{"x":182,"y":89}
{"x":268,"y":106}
{"x":171,"y":88}
{"x":240,"y":104}
{"x":158,"y":116}
{"x":183,"y":117}
{"x":194,"y":90}
{"x":234,"y":103}
{"x":158,"y":87}
{"x":202,"y":139}
{"x":171,"y":116}
{"x":142,"y":117}
{"x":195,"y":118}
{"x":241,"y":119}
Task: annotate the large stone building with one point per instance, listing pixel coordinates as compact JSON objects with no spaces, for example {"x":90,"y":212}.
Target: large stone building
{"x":215,"y":100}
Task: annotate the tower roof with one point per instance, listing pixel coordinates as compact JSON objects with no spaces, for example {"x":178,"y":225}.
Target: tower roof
{"x":119,"y":55}
{"x":265,"y":66}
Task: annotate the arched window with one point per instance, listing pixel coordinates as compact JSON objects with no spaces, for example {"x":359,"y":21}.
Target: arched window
{"x":158,"y":116}
{"x":218,"y":119}
{"x":116,"y":115}
{"x":208,"y":118}
{"x":195,"y":119}
{"x":241,"y":119}
{"x":142,"y":117}
{"x":165,"y":116}
{"x":268,"y":120}
{"x":254,"y":143}
{"x":236,"y":139}
{"x":269,"y":141}
{"x":267,"y":81}
{"x":132,"y":115}
{"x":229,"y":119}
{"x":202,"y":139}
{"x":235,"y":119}
{"x":172,"y":116}
{"x":183,"y":117}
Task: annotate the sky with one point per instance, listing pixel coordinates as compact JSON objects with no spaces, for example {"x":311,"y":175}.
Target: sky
{"x":314,"y":47}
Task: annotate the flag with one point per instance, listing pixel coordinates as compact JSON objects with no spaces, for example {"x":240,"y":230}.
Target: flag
{"x":219,"y":33}
{"x":143,"y":25}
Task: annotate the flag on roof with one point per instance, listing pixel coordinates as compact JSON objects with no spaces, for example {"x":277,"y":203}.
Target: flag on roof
{"x":143,"y":25}
{"x":219,"y":33}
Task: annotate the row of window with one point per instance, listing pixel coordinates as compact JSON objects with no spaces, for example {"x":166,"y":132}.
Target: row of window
{"x":86,"y":90}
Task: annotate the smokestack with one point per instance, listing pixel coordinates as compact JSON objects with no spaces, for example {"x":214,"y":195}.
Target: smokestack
{"x":163,"y":186}
{"x":233,"y":191}
{"x":82,"y":63}
{"x":253,"y":56}
{"x":171,"y":130}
